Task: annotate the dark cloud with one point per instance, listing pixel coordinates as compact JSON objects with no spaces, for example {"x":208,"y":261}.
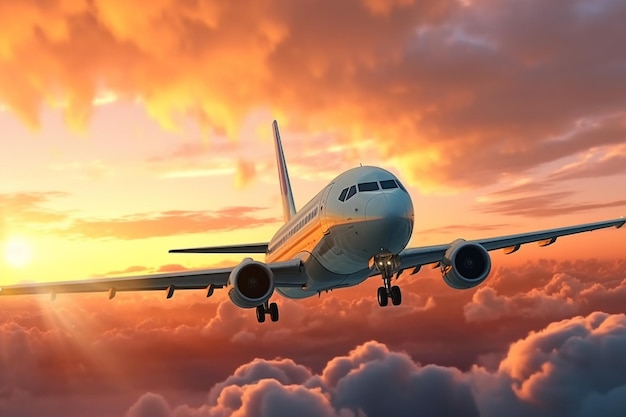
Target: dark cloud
{"x":559,"y":367}
{"x":371,"y":381}
{"x":285,"y":371}
{"x":572,"y":367}
{"x":395,"y":385}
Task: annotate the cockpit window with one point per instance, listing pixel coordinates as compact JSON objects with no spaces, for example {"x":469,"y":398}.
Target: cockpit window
{"x":388,"y":184}
{"x":348,"y":192}
{"x":351,"y":192}
{"x":342,"y":196}
{"x":368,"y":186}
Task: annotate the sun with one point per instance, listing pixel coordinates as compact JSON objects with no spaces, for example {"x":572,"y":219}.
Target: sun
{"x":17,"y":252}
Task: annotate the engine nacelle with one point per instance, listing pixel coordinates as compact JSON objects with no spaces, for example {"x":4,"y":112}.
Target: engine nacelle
{"x":465,"y":264}
{"x":252,"y":284}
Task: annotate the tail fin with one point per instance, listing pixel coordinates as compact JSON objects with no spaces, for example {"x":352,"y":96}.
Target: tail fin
{"x":289,"y":207}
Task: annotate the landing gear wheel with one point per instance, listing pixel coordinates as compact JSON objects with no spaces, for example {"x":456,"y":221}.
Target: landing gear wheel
{"x":383,"y":299}
{"x":273,"y":310}
{"x":388,"y":265}
{"x":260,"y":313}
{"x":266,"y":308}
{"x":396,"y":295}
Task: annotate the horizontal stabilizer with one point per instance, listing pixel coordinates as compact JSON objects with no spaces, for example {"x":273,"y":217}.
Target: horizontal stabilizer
{"x":245,"y":248}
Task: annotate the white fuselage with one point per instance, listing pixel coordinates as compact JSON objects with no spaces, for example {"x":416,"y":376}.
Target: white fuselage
{"x":362,"y":212}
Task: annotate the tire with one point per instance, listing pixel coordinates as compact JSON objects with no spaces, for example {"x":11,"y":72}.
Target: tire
{"x":274,"y":311}
{"x":260,"y":314}
{"x":396,"y":295}
{"x":383,"y":299}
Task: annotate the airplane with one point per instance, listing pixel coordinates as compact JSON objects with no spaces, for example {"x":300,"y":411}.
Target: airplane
{"x":355,"y":228}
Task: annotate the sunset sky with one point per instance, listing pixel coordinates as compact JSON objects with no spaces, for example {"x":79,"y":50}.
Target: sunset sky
{"x":127,"y":131}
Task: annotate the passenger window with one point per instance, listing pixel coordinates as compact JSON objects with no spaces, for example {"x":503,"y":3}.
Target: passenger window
{"x":351,"y":192}
{"x":368,"y":186}
{"x":342,"y":196}
{"x":388,"y":184}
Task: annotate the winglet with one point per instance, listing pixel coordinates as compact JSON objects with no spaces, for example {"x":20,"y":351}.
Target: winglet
{"x":289,"y":207}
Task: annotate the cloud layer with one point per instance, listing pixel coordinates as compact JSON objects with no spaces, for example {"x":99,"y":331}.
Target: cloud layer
{"x":573,"y":367}
{"x":87,"y":351}
{"x":471,"y":90}
{"x":562,"y":295}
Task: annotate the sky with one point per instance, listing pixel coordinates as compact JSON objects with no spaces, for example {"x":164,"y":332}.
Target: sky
{"x":128,"y":131}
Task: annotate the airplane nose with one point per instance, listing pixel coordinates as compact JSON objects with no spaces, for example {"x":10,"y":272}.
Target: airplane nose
{"x":384,"y":206}
{"x":390,"y":220}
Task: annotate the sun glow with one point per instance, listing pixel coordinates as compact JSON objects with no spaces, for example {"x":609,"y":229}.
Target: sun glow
{"x":17,"y":252}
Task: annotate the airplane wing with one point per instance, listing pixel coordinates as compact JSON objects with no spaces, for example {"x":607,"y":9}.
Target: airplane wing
{"x":286,"y":274}
{"x":416,"y":257}
{"x":245,"y":248}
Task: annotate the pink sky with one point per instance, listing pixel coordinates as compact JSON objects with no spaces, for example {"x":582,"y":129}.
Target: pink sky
{"x":130,"y":131}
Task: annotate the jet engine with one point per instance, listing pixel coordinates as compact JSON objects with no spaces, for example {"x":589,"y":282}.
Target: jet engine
{"x":252,"y":284}
{"x":465,"y":264}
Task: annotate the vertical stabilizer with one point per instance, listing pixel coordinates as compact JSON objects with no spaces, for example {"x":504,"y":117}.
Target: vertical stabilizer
{"x":289,"y":207}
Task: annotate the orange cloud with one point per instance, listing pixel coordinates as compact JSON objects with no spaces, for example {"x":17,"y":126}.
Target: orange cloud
{"x":544,"y":205}
{"x":130,"y":270}
{"x":188,"y":346}
{"x":597,"y":163}
{"x":245,"y":173}
{"x":27,"y":208}
{"x":167,"y":223}
{"x":457,"y":93}
{"x":567,"y":292}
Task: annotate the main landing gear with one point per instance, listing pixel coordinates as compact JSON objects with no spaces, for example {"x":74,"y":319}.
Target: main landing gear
{"x":388,"y":265}
{"x":267,"y":308}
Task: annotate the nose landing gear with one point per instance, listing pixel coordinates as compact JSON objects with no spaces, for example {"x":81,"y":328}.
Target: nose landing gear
{"x":388,"y":264}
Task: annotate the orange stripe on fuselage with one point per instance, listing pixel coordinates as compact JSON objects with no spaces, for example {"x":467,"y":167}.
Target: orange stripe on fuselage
{"x":304,"y":240}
